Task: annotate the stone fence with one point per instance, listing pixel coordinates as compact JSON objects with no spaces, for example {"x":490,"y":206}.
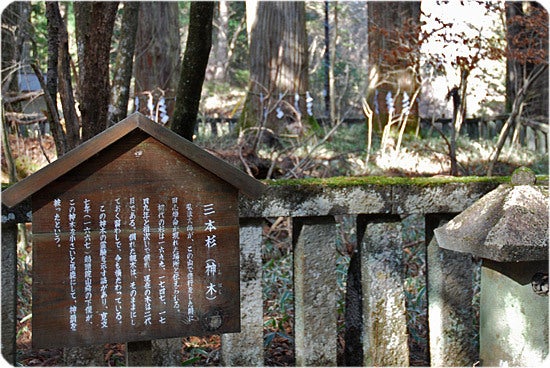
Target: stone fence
{"x":376,"y":325}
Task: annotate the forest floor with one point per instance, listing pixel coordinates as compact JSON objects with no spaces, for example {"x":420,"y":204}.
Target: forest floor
{"x":342,"y":153}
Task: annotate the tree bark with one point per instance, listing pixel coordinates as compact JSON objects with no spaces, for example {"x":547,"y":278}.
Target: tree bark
{"x":222,"y":43}
{"x":82,"y":10}
{"x":15,"y":25}
{"x":331,"y":79}
{"x":72,"y":123}
{"x":120,"y":90}
{"x":95,"y":89}
{"x":157,"y":54}
{"x":278,"y":65}
{"x":326,"y":62}
{"x":50,"y":86}
{"x":53,"y":116}
{"x":515,"y":114}
{"x":527,"y":38}
{"x":195,"y":60}
{"x":53,"y":50}
{"x":390,"y":66}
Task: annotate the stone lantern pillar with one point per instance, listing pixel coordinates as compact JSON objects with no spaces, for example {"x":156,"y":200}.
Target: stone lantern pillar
{"x":508,"y":229}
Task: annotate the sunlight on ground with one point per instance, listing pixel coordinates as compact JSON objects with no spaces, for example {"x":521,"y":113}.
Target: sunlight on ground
{"x":413,"y":162}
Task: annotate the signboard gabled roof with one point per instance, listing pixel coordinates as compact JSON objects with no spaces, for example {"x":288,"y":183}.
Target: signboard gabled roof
{"x":35,"y":182}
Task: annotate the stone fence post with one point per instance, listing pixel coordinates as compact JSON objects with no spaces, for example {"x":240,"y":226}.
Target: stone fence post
{"x":246,"y":348}
{"x":385,"y":340}
{"x":315,"y":291}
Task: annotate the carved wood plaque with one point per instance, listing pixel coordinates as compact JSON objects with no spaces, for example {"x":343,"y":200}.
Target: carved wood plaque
{"x":136,"y":243}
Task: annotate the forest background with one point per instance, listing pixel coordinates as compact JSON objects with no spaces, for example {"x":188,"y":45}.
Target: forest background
{"x":297,"y":89}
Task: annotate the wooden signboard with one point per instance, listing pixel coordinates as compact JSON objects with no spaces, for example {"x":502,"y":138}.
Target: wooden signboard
{"x":136,"y":242}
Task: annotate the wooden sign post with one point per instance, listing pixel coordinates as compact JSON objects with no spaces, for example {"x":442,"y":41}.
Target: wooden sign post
{"x":135,"y":237}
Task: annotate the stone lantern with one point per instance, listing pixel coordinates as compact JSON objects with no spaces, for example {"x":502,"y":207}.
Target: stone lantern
{"x":508,"y":229}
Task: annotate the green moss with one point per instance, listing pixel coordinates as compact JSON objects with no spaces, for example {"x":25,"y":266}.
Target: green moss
{"x":384,"y":180}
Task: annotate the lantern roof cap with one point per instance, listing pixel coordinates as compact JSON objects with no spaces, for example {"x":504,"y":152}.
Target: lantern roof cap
{"x":508,"y":224}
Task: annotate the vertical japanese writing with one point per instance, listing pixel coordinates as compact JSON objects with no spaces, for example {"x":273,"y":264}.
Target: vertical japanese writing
{"x":57,"y":222}
{"x":132,"y":258}
{"x":211,"y":265}
{"x":147,"y":299}
{"x":136,"y":261}
{"x":190,"y":263}
{"x":118,"y":258}
{"x":161,"y":263}
{"x":72,"y":264}
{"x":175,"y":255}
{"x":103,"y":281}
{"x":88,"y":291}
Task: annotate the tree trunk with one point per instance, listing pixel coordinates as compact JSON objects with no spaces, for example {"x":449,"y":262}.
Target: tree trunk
{"x":53,"y":116}
{"x":53,"y":49}
{"x":332,"y":78}
{"x":50,"y":90}
{"x":527,"y":35}
{"x":390,"y":66}
{"x":82,"y":10}
{"x":222,"y":41}
{"x":120,"y":90}
{"x":95,"y":91}
{"x":195,"y":60}
{"x":72,"y":123}
{"x":278,"y":66}
{"x":15,"y":26}
{"x":515,"y":115}
{"x":157,"y":54}
{"x":326,"y":62}
{"x":459,"y":113}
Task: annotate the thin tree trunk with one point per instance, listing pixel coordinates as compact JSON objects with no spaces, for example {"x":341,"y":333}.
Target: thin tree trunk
{"x":50,"y":86}
{"x":6,"y":150}
{"x":326,"y":62}
{"x":195,"y":61}
{"x":333,"y":114}
{"x":53,"y":116}
{"x":53,"y":50}
{"x":72,"y":123}
{"x":95,"y":74}
{"x":459,"y":112}
{"x":515,"y":114}
{"x":222,"y":45}
{"x":14,"y":33}
{"x":120,"y":90}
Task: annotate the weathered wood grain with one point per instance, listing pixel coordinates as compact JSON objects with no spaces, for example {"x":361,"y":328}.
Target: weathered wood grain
{"x":107,"y":185}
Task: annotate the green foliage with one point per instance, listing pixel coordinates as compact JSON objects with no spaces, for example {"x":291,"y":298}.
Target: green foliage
{"x":39,"y":34}
{"x":351,"y":139}
{"x":239,"y":76}
{"x":196,"y":354}
{"x":277,"y":286}
{"x":414,"y":260}
{"x":25,"y":166}
{"x":238,"y":65}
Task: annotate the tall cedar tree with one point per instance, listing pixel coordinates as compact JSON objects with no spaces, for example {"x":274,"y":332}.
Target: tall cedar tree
{"x":157,"y":55}
{"x":195,"y":60}
{"x":278,"y":64}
